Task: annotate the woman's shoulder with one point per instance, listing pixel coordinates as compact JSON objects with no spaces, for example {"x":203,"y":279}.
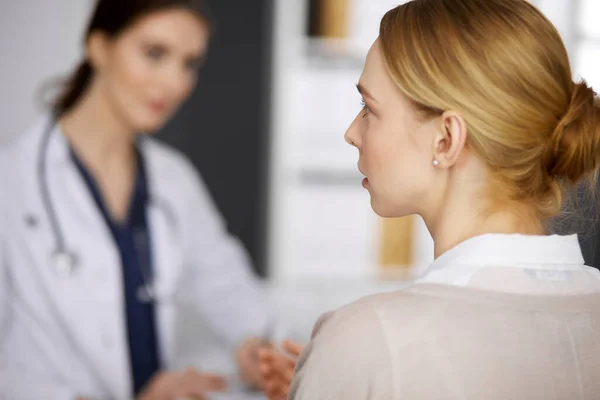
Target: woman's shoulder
{"x":25,"y":140}
{"x":356,"y":312}
{"x":167,"y":161}
{"x":174,"y":173}
{"x":376,"y":313}
{"x":349,"y":353}
{"x":160,"y":152}
{"x":19,"y":155}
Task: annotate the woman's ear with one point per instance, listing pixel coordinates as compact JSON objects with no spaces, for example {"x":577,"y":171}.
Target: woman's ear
{"x":97,"y":48}
{"x":450,"y":140}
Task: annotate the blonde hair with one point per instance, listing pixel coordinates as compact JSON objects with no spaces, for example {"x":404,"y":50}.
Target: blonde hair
{"x":503,"y":66}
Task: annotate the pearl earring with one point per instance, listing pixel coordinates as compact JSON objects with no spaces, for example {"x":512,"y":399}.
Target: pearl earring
{"x":436,"y":163}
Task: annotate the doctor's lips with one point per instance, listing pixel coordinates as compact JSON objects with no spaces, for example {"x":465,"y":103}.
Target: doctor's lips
{"x":159,"y":106}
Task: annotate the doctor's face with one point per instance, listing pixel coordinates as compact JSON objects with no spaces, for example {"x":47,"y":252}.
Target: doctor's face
{"x":394,"y":143}
{"x":148,"y":70}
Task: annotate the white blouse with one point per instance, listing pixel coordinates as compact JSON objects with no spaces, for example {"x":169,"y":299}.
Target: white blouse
{"x":516,"y":263}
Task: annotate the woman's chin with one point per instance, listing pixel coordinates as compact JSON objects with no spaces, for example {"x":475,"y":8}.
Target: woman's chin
{"x":380,"y":209}
{"x":149,"y":127}
{"x":386,"y":210}
{"x":149,"y":123}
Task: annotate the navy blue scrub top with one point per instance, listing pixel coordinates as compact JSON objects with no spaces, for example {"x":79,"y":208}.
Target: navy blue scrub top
{"x":133,"y":241}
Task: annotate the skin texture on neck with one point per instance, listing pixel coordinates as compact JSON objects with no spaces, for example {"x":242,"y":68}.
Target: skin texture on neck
{"x":97,"y":133}
{"x":461,"y":209}
{"x":105,"y":145}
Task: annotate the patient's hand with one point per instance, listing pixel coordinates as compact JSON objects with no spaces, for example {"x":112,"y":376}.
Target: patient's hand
{"x":277,"y":369}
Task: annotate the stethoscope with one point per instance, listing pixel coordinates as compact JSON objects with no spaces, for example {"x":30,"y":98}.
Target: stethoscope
{"x":64,"y":261}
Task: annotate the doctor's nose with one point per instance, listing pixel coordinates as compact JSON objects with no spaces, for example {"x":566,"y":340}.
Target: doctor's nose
{"x":176,"y":82}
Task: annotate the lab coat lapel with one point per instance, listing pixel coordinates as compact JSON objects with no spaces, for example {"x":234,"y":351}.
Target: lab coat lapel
{"x":91,"y":301}
{"x":167,"y":252}
{"x":166,"y":267}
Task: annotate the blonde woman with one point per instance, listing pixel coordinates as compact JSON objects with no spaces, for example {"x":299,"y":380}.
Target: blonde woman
{"x":471,"y":120}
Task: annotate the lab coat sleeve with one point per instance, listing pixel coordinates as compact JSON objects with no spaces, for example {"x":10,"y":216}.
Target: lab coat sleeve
{"x":225,"y":289}
{"x":17,"y":382}
{"x":4,"y":294}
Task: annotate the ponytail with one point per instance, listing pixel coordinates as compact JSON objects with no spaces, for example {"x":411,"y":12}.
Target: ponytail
{"x":74,"y":88}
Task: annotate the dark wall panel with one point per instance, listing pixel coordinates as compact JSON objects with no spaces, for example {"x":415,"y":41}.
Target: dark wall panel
{"x":223,"y":128}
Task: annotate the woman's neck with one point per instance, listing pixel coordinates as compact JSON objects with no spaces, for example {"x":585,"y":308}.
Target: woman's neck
{"x":461,"y":214}
{"x":97,"y":133}
{"x":105,"y":145}
{"x":452,"y":231}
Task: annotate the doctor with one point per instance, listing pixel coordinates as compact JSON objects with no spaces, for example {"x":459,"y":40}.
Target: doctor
{"x":106,"y":232}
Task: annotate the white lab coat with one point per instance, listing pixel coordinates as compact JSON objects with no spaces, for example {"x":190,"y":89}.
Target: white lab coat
{"x":63,"y":337}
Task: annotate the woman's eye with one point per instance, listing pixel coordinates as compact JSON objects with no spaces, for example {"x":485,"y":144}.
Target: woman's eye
{"x":365,"y":108}
{"x":155,"y":53}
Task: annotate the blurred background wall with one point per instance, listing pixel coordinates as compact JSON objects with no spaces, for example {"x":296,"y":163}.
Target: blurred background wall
{"x":40,"y":40}
{"x":224,"y":127}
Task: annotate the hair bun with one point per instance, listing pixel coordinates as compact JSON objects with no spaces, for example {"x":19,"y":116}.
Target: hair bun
{"x":573,"y":150}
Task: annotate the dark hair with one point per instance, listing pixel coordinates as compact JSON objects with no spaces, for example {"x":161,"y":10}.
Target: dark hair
{"x":112,"y":17}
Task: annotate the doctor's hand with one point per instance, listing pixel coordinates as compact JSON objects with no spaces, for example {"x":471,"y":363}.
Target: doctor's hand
{"x":277,"y":369}
{"x":189,"y":384}
{"x":248,"y":362}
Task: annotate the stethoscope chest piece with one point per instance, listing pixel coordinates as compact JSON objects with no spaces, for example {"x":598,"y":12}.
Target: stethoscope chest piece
{"x":64,"y":264}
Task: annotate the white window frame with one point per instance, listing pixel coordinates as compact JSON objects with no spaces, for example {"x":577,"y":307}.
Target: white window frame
{"x":580,"y":39}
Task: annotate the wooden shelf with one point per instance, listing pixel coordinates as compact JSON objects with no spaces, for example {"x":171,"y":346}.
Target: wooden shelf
{"x":332,"y":54}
